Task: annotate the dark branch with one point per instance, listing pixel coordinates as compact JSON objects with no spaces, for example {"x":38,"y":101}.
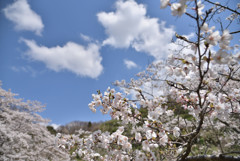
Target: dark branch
{"x":227,"y":124}
{"x":235,"y":32}
{"x":217,"y":4}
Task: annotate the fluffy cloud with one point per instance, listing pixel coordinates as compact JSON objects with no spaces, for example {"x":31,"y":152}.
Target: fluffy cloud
{"x":129,"y":26}
{"x":83,"y":61}
{"x":24,"y":17}
{"x":130,"y":64}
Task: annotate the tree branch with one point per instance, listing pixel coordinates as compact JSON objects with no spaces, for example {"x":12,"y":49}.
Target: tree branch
{"x":217,"y":4}
{"x":235,"y":32}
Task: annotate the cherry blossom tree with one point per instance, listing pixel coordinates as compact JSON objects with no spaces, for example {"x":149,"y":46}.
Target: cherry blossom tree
{"x":23,"y":135}
{"x":184,"y":108}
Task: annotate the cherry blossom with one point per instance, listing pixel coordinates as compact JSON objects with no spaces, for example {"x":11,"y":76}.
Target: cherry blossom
{"x":23,"y":135}
{"x":164,"y":3}
{"x":225,"y":40}
{"x":174,"y":107}
{"x":176,"y":132}
{"x":178,"y":9}
{"x":213,"y":38}
{"x":221,"y":57}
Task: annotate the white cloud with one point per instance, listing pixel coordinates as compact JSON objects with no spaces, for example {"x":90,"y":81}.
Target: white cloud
{"x":55,"y":126}
{"x":85,"y":37}
{"x":83,"y":61}
{"x":130,"y":64}
{"x":25,"y":69}
{"x":24,"y":17}
{"x":129,"y":26}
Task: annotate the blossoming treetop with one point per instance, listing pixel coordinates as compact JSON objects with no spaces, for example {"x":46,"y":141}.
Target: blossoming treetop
{"x":22,"y":133}
{"x":191,"y":100}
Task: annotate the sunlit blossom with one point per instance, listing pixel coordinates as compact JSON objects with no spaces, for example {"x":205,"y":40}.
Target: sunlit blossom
{"x":178,"y":9}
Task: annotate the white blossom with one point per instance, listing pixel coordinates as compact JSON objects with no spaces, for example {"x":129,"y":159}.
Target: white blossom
{"x":138,"y":137}
{"x":176,"y":131}
{"x":164,"y":3}
{"x":213,"y":38}
{"x":145,"y":145}
{"x":221,"y":57}
{"x":163,"y":140}
{"x":178,"y":9}
{"x":225,"y":40}
{"x":200,"y":7}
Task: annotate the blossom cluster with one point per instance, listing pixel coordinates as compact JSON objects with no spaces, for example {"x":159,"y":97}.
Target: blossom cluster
{"x":23,"y":135}
{"x":176,"y":104}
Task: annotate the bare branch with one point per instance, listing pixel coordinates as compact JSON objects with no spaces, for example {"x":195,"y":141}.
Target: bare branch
{"x":235,"y":32}
{"x":218,"y":4}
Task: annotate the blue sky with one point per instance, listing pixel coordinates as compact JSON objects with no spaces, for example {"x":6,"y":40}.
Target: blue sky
{"x":59,"y":52}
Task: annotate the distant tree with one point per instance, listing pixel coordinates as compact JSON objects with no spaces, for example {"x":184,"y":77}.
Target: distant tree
{"x":89,"y":125}
{"x":23,"y":135}
{"x":74,"y":126}
{"x":110,"y":126}
{"x":51,"y":130}
{"x":63,"y":129}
